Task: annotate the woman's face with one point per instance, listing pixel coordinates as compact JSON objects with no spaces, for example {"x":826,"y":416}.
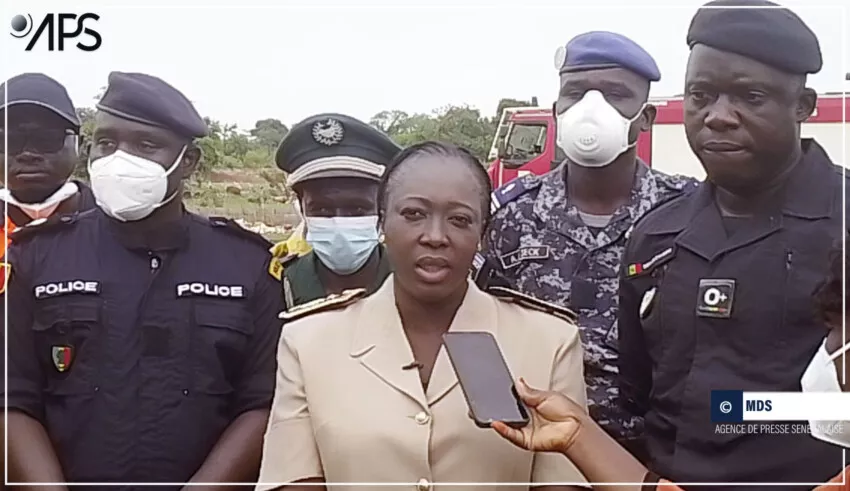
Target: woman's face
{"x":432,"y":225}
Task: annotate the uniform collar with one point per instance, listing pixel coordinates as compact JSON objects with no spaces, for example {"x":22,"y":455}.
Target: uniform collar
{"x":808,"y":193}
{"x":804,"y":195}
{"x":170,"y":236}
{"x":379,"y":343}
{"x":553,"y":207}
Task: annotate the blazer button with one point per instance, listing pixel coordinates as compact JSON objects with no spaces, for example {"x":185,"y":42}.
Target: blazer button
{"x":422,"y":418}
{"x":423,"y":485}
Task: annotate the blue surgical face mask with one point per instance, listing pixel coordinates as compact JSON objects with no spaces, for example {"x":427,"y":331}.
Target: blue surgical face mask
{"x":343,"y":244}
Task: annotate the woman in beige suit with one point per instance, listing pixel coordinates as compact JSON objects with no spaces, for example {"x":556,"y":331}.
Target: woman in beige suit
{"x":366,"y":394}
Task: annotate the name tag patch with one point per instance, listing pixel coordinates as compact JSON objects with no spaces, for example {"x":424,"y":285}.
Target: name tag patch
{"x":715,"y":298}
{"x":50,"y":290}
{"x":208,"y":290}
{"x":512,"y":259}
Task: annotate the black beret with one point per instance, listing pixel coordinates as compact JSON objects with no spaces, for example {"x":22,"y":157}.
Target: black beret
{"x":334,"y":145}
{"x":40,"y":90}
{"x":774,"y":36}
{"x":149,"y":100}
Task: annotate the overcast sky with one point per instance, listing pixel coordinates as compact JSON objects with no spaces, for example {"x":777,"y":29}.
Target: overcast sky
{"x":241,"y":61}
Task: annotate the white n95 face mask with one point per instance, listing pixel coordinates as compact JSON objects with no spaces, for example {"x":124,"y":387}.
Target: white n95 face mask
{"x":592,"y":133}
{"x":343,"y":244}
{"x":821,"y":376}
{"x":129,"y":188}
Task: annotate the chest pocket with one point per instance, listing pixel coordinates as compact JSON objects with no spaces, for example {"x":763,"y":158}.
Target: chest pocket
{"x":68,"y":334}
{"x":221,"y":331}
{"x":653,"y":298}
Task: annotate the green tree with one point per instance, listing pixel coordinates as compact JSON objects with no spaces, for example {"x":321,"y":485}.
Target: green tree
{"x":268,"y":133}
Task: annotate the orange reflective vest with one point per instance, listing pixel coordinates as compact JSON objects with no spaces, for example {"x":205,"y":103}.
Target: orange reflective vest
{"x":10,"y":227}
{"x":4,"y":268}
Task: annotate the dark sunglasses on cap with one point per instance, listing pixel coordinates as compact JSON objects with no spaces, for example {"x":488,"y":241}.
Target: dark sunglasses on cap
{"x":14,"y":142}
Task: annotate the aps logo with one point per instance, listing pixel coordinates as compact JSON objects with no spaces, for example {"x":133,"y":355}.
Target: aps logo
{"x":58,"y":28}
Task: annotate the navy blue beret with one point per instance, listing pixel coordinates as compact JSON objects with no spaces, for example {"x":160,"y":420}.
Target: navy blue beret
{"x":774,"y":36}
{"x":149,"y":100}
{"x":601,"y":49}
{"x":40,"y":90}
{"x":334,"y":145}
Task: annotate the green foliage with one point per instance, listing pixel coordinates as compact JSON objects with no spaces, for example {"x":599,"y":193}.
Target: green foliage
{"x":237,"y":171}
{"x":461,"y":125}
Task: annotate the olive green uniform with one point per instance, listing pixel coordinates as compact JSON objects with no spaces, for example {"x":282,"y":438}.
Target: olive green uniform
{"x":301,"y":283}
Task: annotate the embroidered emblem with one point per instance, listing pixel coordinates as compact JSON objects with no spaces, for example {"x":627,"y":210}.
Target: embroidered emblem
{"x":62,"y":357}
{"x":329,"y":132}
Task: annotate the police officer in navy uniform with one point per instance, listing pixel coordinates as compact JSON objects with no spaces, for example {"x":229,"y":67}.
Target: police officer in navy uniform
{"x":143,"y":336}
{"x":716,"y":289}
{"x":335,"y":163}
{"x":40,"y":149}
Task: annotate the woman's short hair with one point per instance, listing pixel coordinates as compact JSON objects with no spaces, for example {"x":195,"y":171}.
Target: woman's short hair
{"x":444,"y":150}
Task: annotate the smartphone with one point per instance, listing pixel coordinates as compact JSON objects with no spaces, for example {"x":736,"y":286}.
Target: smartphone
{"x":485,"y":379}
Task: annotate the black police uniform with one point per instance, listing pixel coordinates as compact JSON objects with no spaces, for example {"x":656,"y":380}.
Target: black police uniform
{"x":327,"y":146}
{"x":709,"y":304}
{"x":137,"y":351}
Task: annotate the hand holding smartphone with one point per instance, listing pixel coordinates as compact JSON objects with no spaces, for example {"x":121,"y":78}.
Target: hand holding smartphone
{"x":485,"y":379}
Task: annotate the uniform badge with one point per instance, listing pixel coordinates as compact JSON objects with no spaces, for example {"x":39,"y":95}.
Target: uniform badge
{"x":512,"y":259}
{"x":62,"y":357}
{"x":7,"y":271}
{"x":275,"y":268}
{"x":560,"y":57}
{"x":715,"y":298}
{"x":328,"y":132}
{"x":334,"y":301}
{"x":660,"y":258}
{"x":646,"y":302}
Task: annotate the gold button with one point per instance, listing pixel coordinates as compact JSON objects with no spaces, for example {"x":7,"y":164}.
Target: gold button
{"x":423,"y":485}
{"x":422,"y":418}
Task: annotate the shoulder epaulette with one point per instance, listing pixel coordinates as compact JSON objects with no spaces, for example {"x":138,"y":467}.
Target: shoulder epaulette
{"x":513,"y":296}
{"x":42,"y":225}
{"x":279,"y":250}
{"x":331,"y":302}
{"x":509,"y":192}
{"x":481,"y":271}
{"x":232,"y":226}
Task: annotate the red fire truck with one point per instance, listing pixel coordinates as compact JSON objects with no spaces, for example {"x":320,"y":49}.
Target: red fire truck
{"x":525,"y":139}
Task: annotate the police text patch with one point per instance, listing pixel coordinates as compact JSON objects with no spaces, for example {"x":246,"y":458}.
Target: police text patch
{"x":50,"y":290}
{"x":209,"y":290}
{"x":512,"y":259}
{"x":715,"y":297}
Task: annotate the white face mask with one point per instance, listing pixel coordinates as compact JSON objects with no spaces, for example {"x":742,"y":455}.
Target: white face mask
{"x":45,"y":208}
{"x":592,"y":133}
{"x":129,"y":188}
{"x":343,"y":244}
{"x":821,"y":376}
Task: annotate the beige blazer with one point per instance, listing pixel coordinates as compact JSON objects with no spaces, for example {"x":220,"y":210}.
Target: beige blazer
{"x":344,"y":410}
